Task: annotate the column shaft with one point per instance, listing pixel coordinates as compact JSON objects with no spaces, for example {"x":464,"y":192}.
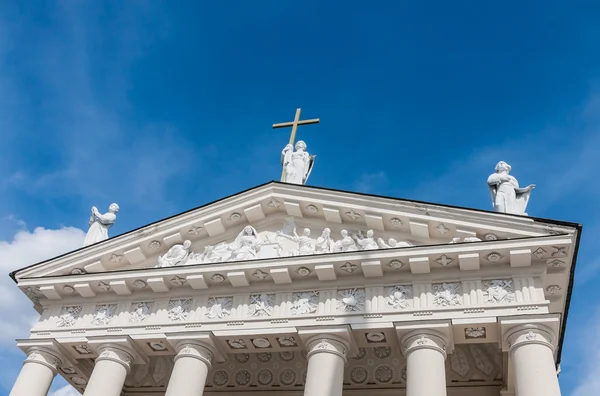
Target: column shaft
{"x":533,"y":362}
{"x":325,"y":375}
{"x":192,"y":364}
{"x":36,"y":375}
{"x":109,"y":373}
{"x":425,"y":365}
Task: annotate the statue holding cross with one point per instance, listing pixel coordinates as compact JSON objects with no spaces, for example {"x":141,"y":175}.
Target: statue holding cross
{"x":298,"y":164}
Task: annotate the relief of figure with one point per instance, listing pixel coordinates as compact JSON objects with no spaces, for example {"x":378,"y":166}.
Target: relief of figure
{"x":346,"y":244}
{"x":465,"y":239}
{"x":324,"y":243}
{"x":245,"y":246}
{"x":507,"y":197}
{"x":367,"y":243}
{"x":177,"y":255}
{"x":297,"y":164}
{"x":392,"y":243}
{"x":304,"y":242}
{"x":99,"y":224}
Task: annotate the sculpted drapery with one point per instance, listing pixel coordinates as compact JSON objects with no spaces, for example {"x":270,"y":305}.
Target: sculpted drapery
{"x":99,"y":224}
{"x":297,"y":164}
{"x":507,"y":197}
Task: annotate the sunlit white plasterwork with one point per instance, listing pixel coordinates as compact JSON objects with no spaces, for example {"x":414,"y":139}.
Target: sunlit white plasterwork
{"x":261,"y":304}
{"x":219,"y":307}
{"x":139,"y":311}
{"x":507,"y":197}
{"x":297,"y":164}
{"x":446,"y":294}
{"x":99,"y":224}
{"x":351,"y":300}
{"x":104,"y":313}
{"x":179,"y":309}
{"x":68,"y":316}
{"x":398,"y":297}
{"x":304,"y":303}
{"x":498,"y":291}
{"x":177,"y":255}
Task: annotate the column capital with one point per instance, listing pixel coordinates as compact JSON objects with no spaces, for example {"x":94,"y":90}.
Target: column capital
{"x":435,"y":335}
{"x":424,"y":339}
{"x":327,"y":343}
{"x":116,"y":353}
{"x":194,"y":349}
{"x":534,"y":329}
{"x":530,"y":334}
{"x":44,"y":357}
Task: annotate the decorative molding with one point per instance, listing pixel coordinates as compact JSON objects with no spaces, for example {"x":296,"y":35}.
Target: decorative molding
{"x":398,"y":297}
{"x":444,"y":260}
{"x":305,"y":303}
{"x":139,"y":312}
{"x":351,"y":300}
{"x":69,"y":314}
{"x":446,"y":294}
{"x":179,"y":309}
{"x":219,"y":307}
{"x":475,"y":332}
{"x":104,"y":314}
{"x":261,"y":304}
{"x":498,"y":291}
{"x":395,"y":264}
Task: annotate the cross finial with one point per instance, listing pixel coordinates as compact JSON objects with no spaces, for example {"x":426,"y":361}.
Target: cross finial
{"x":294,"y":124}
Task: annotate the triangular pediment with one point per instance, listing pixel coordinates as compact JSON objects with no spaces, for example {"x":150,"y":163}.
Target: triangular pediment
{"x":274,"y":209}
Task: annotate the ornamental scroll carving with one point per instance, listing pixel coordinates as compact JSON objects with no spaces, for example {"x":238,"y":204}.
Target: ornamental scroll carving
{"x":69,"y":315}
{"x":304,"y":303}
{"x":219,"y":307}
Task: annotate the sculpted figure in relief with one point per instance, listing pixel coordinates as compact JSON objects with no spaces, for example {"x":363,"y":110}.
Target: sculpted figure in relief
{"x":297,"y":164}
{"x":507,"y":197}
{"x":367,"y":243}
{"x":392,"y":243}
{"x":346,"y":244}
{"x":324,"y":243}
{"x":99,"y":224}
{"x":178,"y":254}
{"x":246,"y":245}
{"x":304,"y":242}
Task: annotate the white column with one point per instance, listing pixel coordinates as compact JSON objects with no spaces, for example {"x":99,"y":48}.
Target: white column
{"x":531,"y":350}
{"x":111,"y":369}
{"x":192,"y":364}
{"x":36,"y":375}
{"x":425,"y":353}
{"x":326,"y":360}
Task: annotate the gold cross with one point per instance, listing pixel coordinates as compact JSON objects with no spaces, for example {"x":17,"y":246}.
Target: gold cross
{"x":294,"y":124}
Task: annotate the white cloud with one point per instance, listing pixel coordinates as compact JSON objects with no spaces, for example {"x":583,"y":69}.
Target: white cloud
{"x":66,"y":390}
{"x":27,"y":248}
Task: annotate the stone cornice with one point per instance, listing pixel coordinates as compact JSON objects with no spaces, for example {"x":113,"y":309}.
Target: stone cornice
{"x":419,"y":260}
{"x":367,"y":205}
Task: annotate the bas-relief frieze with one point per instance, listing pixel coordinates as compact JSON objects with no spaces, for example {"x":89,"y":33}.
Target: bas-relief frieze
{"x":298,"y":303}
{"x":249,"y":244}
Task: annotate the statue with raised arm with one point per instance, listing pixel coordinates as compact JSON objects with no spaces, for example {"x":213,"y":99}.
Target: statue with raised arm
{"x":366,"y":243}
{"x":305,"y":245}
{"x":297,"y":164}
{"x":507,"y":197}
{"x":324,"y":243}
{"x":346,"y":244}
{"x":99,"y":224}
{"x":177,"y":255}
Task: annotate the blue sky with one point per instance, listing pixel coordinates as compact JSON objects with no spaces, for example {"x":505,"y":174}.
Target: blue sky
{"x":164,"y":106}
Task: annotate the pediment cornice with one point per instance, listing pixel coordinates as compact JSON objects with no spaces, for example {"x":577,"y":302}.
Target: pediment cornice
{"x":431,"y":223}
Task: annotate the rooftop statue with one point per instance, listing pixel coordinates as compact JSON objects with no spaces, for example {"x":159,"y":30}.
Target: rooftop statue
{"x":507,"y":197}
{"x":99,"y":224}
{"x":297,"y":164}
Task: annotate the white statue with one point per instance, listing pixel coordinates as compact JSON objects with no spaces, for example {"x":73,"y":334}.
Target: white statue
{"x":297,"y":164}
{"x":367,"y":243}
{"x":324,"y":243}
{"x":177,"y":255}
{"x":507,"y":197}
{"x":392,"y":243}
{"x":465,"y":239}
{"x":99,"y":224}
{"x":346,"y":244}
{"x":245,"y":246}
{"x":304,"y":242}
